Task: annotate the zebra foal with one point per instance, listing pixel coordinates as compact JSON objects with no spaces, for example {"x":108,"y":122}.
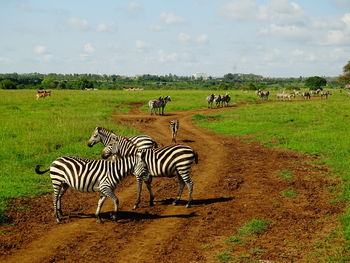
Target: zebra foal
{"x":87,"y":175}
{"x":169,"y":161}
{"x":174,"y":127}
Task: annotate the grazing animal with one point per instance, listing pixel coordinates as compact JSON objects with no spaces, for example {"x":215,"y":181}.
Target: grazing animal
{"x":155,"y":105}
{"x":226,"y":99}
{"x":43,"y":94}
{"x":87,"y":175}
{"x":169,"y":161}
{"x":174,"y":127}
{"x":159,"y":104}
{"x":263,"y":95}
{"x":210,"y":100}
{"x":104,"y":136}
{"x":325,"y":94}
{"x":217,"y":100}
{"x":306,"y":95}
{"x":284,"y":96}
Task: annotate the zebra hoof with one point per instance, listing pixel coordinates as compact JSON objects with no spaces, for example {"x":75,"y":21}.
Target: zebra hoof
{"x":135,"y":207}
{"x":58,"y":220}
{"x":188,"y":206}
{"x":175,"y":202}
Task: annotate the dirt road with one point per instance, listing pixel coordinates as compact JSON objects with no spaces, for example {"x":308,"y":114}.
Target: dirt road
{"x":235,"y":181}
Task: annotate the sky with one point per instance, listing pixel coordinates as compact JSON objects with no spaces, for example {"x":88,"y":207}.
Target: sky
{"x":273,"y":38}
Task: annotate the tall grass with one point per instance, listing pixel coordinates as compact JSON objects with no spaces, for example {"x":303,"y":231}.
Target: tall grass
{"x":317,"y":127}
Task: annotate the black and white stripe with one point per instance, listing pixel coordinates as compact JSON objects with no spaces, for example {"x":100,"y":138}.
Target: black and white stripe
{"x":174,"y":127}
{"x":210,"y":100}
{"x":159,"y":104}
{"x":87,"y":175}
{"x":104,"y":136}
{"x":169,"y":161}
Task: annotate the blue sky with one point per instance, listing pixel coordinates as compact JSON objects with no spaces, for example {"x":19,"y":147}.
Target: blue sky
{"x":277,"y":38}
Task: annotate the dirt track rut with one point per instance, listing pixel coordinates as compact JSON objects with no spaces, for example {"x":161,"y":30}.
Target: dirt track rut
{"x":234,"y":182}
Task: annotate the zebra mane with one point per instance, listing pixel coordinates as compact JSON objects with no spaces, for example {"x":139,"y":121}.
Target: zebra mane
{"x":104,"y":130}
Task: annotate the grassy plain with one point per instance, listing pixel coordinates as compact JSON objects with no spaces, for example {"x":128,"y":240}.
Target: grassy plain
{"x":317,"y":127}
{"x":39,"y":131}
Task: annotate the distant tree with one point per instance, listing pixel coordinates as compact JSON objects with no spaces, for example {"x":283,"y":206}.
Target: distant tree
{"x":83,"y":83}
{"x":345,"y":78}
{"x":314,"y":83}
{"x":224,"y":86}
{"x":49,"y":83}
{"x":7,"y":84}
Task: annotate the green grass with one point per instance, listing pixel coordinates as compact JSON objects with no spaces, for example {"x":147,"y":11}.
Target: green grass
{"x":286,"y":174}
{"x":317,"y":127}
{"x":254,"y":226}
{"x":290,"y":192}
{"x":39,"y":131}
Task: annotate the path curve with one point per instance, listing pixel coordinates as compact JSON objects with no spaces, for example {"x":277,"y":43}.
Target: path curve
{"x":235,"y":181}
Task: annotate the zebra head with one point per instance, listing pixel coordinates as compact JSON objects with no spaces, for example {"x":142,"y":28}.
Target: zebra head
{"x":95,"y":137}
{"x":111,"y":149}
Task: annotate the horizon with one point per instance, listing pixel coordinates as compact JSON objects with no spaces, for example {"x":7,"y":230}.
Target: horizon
{"x":272,"y":38}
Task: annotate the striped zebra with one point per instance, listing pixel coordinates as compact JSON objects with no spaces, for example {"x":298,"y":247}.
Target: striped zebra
{"x":158,"y":104}
{"x":104,"y":136}
{"x":210,"y":100}
{"x":169,"y":161}
{"x":87,"y":175}
{"x":174,"y":127}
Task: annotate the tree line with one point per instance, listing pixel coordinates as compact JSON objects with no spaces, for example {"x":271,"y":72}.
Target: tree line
{"x":170,"y":81}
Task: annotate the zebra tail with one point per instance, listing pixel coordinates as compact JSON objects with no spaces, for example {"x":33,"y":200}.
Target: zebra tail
{"x":196,"y":157}
{"x":37,"y":169}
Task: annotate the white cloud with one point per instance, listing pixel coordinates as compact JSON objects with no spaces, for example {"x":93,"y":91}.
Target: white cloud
{"x":78,"y":24}
{"x":184,"y":38}
{"x":171,"y":19}
{"x":156,"y":28}
{"x":341,"y":3}
{"x":239,"y":10}
{"x":346,"y":20}
{"x":282,"y":11}
{"x":291,"y":32}
{"x":135,"y":6}
{"x":89,"y":48}
{"x":170,"y":57}
{"x":338,"y":37}
{"x":40,"y":49}
{"x":142,"y":46}
{"x":107,"y":28}
{"x":298,"y":53}
{"x":203,"y":38}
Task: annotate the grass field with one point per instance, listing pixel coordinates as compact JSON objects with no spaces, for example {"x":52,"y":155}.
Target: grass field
{"x":38,"y":131}
{"x":317,"y":127}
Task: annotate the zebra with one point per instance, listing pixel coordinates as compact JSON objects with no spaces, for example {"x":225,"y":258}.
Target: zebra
{"x":169,"y":161}
{"x":306,"y":95}
{"x":174,"y":127}
{"x":159,"y":104}
{"x":262,"y":94}
{"x":104,"y":136}
{"x":210,"y":100}
{"x":155,"y":104}
{"x":87,"y":175}
{"x":225,"y":99}
{"x":217,"y":100}
{"x":325,"y":94}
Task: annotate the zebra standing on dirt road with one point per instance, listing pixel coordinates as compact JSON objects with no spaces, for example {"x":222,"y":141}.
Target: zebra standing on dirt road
{"x":87,"y":175}
{"x":174,"y":127}
{"x":169,"y":161}
{"x":104,"y":136}
{"x":159,"y":104}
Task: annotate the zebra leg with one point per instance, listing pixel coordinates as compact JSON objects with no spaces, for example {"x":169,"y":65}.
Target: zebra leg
{"x":61,"y":193}
{"x":56,"y":193}
{"x":151,"y":195}
{"x":111,"y":195}
{"x":99,"y":205}
{"x":181,"y":188}
{"x":139,"y":189}
{"x":189,"y":184}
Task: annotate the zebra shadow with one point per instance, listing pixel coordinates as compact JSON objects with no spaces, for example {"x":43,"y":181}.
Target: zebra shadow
{"x":127,"y":216}
{"x":198,"y":202}
{"x":188,"y":140}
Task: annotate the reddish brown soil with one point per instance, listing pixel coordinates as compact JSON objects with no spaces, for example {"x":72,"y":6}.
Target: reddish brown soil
{"x":235,"y":181}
